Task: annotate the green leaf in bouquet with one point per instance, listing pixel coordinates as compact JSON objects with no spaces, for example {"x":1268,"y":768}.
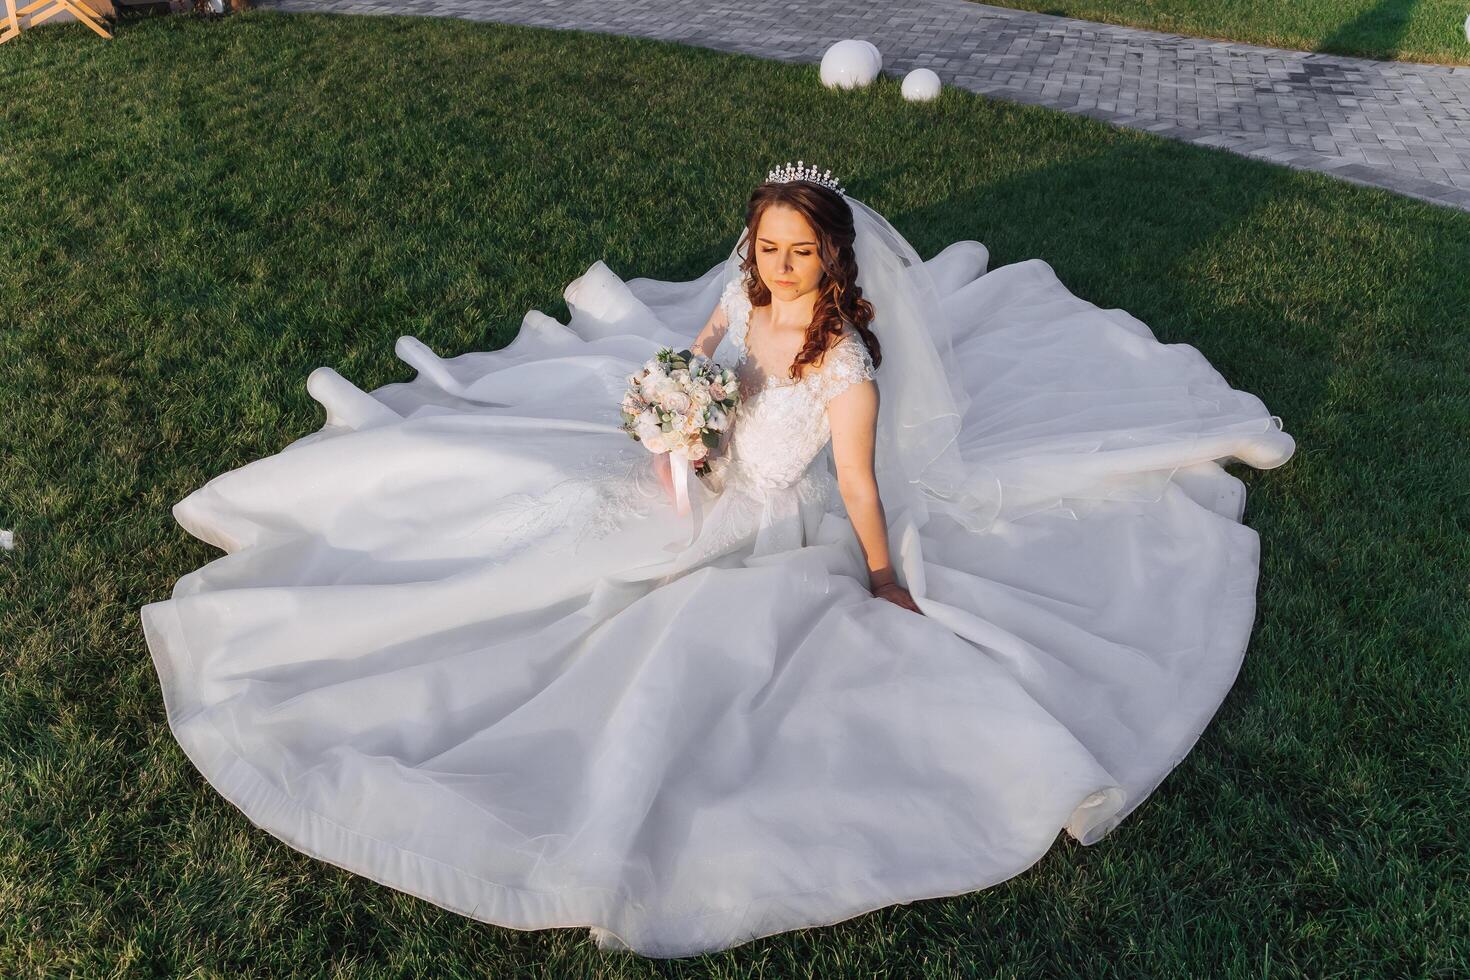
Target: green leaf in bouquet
{"x":710,"y":437}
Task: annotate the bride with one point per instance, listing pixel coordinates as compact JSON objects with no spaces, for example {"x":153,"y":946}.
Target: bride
{"x":967,"y":573}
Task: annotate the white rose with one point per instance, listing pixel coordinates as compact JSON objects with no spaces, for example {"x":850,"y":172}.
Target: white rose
{"x":697,"y":451}
{"x":677,"y":402}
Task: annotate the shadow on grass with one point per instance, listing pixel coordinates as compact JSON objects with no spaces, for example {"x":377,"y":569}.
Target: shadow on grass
{"x":1125,"y":227}
{"x":1376,"y":31}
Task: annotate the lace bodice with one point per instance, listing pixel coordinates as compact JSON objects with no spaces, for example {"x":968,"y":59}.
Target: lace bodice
{"x":781,"y":424}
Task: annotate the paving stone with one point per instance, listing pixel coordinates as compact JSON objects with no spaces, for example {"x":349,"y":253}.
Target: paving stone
{"x":1400,"y":126}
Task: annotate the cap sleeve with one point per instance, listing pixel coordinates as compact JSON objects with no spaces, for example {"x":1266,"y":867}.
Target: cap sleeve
{"x":846,"y":364}
{"x":737,"y":312}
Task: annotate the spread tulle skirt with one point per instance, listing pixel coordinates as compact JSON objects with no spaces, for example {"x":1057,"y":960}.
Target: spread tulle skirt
{"x":462,"y":643}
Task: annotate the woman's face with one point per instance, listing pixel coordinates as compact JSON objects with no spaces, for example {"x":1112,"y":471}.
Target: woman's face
{"x":786,"y":252}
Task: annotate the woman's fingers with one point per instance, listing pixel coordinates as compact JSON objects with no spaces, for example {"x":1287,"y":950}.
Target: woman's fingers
{"x":899,"y":596}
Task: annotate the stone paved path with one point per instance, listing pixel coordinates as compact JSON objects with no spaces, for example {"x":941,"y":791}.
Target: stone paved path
{"x":1402,"y":126}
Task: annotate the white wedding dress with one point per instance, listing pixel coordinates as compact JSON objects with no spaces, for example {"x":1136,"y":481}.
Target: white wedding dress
{"x":462,"y":643}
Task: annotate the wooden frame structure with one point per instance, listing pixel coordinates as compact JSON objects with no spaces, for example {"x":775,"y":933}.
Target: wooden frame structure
{"x":40,"y":10}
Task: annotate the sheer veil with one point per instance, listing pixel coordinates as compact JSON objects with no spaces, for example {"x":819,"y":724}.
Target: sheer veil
{"x":922,"y":398}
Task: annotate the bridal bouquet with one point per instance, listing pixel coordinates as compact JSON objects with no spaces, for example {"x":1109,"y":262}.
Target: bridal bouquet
{"x":679,"y":404}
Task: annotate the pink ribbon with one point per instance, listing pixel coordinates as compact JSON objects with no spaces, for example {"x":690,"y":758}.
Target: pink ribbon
{"x":686,"y":501}
{"x":679,"y":469}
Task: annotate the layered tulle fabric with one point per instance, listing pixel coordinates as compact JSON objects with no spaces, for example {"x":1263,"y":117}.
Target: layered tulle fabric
{"x":462,"y":643}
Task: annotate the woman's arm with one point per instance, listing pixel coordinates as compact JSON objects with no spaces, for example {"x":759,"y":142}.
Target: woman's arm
{"x":853,"y":419}
{"x":711,"y":333}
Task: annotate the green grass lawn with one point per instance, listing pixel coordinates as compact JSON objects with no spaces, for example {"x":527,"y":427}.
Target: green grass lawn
{"x":197,"y":215}
{"x":1403,"y":30}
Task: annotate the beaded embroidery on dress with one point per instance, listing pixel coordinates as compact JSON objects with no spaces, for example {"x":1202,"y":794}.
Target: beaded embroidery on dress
{"x":461,"y":642}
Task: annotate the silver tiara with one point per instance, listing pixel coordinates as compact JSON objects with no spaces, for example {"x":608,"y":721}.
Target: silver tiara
{"x":782,"y":175}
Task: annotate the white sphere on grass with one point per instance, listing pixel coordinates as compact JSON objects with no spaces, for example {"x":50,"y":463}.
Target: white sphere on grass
{"x":920,"y":85}
{"x":848,"y":64}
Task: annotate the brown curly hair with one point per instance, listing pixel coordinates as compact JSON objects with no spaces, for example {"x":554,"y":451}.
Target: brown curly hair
{"x":839,"y":297}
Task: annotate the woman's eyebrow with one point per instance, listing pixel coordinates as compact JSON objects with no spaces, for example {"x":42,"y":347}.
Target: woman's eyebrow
{"x":769,"y":242}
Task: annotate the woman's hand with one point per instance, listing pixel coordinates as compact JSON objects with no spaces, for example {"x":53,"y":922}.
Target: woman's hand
{"x":897,"y":595}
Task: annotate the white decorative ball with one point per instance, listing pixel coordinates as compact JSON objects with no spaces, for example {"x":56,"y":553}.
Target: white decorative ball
{"x":920,"y":85}
{"x":1467,"y":28}
{"x":848,"y":64}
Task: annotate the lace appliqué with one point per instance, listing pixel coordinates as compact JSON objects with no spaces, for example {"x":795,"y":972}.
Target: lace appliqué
{"x":598,"y":496}
{"x":846,"y":364}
